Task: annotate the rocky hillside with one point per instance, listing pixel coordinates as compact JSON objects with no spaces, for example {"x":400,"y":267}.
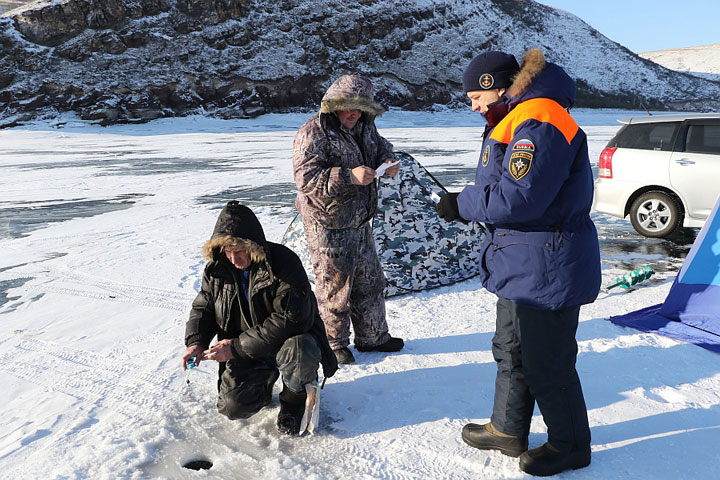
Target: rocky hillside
{"x":135,"y":60}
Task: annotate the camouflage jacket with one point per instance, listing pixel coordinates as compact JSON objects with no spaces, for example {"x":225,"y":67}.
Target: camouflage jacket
{"x":324,"y":152}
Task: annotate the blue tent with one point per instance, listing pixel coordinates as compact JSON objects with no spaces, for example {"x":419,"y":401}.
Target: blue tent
{"x":691,"y":311}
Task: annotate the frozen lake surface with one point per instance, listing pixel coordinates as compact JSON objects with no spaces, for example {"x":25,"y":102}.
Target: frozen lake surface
{"x":100,"y":236}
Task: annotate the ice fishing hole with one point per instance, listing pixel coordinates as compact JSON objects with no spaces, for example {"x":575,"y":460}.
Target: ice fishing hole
{"x":198,"y":464}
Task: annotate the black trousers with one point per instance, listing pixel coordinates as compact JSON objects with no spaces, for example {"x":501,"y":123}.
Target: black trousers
{"x":535,"y":351}
{"x":245,"y":385}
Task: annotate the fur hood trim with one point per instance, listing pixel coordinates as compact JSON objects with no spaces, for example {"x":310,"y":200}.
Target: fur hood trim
{"x":352,"y":103}
{"x":216,"y":246}
{"x":533,"y":63}
{"x":351,"y":92}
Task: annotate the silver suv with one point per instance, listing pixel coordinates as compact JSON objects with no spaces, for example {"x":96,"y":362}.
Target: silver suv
{"x":663,"y":171}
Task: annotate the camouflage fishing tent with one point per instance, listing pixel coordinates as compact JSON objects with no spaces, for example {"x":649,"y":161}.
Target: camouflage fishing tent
{"x":417,"y":249}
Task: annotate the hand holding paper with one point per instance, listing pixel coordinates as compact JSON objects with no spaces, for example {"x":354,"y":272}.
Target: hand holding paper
{"x":381,"y":169}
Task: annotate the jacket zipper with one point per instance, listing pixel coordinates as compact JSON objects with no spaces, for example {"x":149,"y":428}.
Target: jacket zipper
{"x":251,"y":277}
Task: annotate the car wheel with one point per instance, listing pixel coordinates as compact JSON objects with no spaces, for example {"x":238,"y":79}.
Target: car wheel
{"x":655,"y":214}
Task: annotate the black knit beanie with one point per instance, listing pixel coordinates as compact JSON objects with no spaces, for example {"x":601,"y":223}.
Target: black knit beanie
{"x":490,"y":70}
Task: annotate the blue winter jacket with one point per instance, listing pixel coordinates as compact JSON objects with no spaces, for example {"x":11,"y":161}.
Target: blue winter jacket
{"x":534,"y":190}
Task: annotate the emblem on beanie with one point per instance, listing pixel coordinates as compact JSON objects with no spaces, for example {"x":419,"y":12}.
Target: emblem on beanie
{"x":486,"y":81}
{"x":520,"y":163}
{"x":486,"y":156}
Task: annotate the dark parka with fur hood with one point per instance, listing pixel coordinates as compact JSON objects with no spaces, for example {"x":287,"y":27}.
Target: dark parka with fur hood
{"x":281,"y":303}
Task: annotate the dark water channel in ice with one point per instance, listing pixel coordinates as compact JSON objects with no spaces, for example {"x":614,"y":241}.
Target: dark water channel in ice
{"x":622,"y":248}
{"x":272,"y":195}
{"x":19,"y":221}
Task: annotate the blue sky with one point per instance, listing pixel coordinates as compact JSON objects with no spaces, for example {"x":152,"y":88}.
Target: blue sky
{"x":646,"y":25}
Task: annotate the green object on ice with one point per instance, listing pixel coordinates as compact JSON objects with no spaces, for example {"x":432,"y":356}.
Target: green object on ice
{"x":633,"y":278}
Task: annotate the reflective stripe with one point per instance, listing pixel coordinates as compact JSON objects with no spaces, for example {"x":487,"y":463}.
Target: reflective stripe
{"x":540,"y":109}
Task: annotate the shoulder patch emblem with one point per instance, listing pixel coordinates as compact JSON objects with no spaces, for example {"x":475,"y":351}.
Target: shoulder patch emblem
{"x":525,"y":145}
{"x":486,"y":156}
{"x":486,"y":81}
{"x":520,"y":163}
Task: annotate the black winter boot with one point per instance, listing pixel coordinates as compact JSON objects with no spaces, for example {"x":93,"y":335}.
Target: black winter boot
{"x":270,"y":384}
{"x":546,"y":460}
{"x":485,"y":437}
{"x":392,"y":345}
{"x":292,"y":408}
{"x":344,"y":355}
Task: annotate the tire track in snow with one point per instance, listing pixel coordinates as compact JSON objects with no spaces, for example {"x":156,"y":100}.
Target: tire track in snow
{"x":86,"y":376}
{"x":89,"y":286}
{"x":124,"y":292}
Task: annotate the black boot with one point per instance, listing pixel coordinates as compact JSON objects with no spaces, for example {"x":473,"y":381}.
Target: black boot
{"x":546,"y":460}
{"x":270,"y":384}
{"x":292,"y":408}
{"x":344,"y":355}
{"x":392,"y":345}
{"x":483,"y":438}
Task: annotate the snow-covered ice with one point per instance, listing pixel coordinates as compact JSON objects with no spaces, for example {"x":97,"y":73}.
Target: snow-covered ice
{"x":100,"y":237}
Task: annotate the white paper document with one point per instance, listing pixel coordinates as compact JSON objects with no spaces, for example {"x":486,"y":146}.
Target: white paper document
{"x":381,"y":169}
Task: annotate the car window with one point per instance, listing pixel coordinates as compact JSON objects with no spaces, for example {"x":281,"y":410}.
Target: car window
{"x":646,"y":136}
{"x":703,"y":139}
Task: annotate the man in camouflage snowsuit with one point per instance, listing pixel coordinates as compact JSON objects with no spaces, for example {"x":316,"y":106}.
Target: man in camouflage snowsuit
{"x":335,"y":154}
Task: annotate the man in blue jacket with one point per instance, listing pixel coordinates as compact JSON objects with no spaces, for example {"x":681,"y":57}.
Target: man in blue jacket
{"x":533,"y":190}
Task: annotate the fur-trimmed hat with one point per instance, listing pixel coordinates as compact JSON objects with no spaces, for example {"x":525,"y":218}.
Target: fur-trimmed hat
{"x":490,"y":70}
{"x":217,"y":245}
{"x":351,"y":92}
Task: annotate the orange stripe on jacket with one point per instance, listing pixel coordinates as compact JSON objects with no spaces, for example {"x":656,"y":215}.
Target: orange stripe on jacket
{"x":540,"y":109}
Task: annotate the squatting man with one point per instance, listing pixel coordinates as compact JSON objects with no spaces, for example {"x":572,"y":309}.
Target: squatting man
{"x":256,"y":299}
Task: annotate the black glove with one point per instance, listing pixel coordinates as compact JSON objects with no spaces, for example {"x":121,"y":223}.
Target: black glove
{"x":447,"y":208}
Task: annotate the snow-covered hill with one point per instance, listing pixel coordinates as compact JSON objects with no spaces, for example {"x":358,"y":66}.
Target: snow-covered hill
{"x":702,"y":61}
{"x":6,"y":5}
{"x":134,"y":60}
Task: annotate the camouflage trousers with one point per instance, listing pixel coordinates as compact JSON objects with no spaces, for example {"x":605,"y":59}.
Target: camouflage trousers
{"x":349,"y":284}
